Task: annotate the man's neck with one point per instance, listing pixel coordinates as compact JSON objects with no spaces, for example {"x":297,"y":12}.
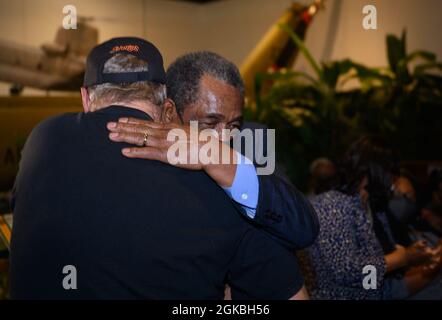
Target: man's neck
{"x":150,"y":109}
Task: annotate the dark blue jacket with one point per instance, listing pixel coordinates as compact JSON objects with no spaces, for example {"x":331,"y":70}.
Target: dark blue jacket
{"x":283,"y":211}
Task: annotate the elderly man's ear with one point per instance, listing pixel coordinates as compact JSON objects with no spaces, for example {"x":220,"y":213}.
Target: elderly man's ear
{"x":85,"y":99}
{"x":169,"y":113}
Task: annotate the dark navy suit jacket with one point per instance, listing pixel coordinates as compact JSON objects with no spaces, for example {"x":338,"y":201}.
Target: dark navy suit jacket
{"x":283,"y":211}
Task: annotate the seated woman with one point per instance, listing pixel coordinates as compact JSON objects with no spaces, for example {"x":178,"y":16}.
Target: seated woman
{"x":354,"y":230}
{"x":409,"y":228}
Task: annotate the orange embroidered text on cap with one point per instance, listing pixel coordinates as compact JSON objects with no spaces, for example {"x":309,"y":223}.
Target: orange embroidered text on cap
{"x":128,"y":48}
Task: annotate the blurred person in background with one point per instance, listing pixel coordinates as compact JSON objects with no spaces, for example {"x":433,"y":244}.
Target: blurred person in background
{"x":409,"y":221}
{"x":322,"y":177}
{"x":432,"y":215}
{"x":412,"y":230}
{"x":354,"y":230}
{"x":434,"y":191}
{"x":403,"y":207}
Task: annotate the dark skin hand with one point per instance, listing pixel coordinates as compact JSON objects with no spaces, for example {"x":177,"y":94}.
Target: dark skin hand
{"x":419,"y":253}
{"x":219,"y":107}
{"x":133,"y":131}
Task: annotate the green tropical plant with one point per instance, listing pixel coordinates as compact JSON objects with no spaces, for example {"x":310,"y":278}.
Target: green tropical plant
{"x":317,"y":116}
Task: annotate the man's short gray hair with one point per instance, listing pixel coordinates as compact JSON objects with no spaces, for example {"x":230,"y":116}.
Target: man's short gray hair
{"x":137,"y":91}
{"x":184,"y":75}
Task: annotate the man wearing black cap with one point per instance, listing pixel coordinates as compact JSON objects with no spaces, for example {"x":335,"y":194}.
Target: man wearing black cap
{"x":91,"y":224}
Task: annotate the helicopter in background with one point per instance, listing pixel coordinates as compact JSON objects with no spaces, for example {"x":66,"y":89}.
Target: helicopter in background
{"x":58,"y":65}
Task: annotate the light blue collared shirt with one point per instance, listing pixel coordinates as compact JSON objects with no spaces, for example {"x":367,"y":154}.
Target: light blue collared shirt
{"x":245,"y":187}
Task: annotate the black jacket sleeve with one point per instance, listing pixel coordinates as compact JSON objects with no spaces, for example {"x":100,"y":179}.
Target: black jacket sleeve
{"x":283,"y":211}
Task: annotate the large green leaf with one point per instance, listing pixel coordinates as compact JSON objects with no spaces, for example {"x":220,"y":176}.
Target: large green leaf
{"x":315,"y":117}
{"x":303,"y":49}
{"x":396,"y":50}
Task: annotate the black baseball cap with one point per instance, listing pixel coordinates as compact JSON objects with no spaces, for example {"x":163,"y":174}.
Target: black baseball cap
{"x":140,"y":48}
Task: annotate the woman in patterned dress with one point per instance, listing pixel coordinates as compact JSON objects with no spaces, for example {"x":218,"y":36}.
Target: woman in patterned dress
{"x":347,"y":260}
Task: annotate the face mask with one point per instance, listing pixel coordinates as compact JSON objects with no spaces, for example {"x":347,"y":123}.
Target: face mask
{"x":402,"y":208}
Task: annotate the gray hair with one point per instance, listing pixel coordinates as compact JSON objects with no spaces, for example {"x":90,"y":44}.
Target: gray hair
{"x":138,"y":91}
{"x":184,"y":75}
{"x":319,"y":162}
